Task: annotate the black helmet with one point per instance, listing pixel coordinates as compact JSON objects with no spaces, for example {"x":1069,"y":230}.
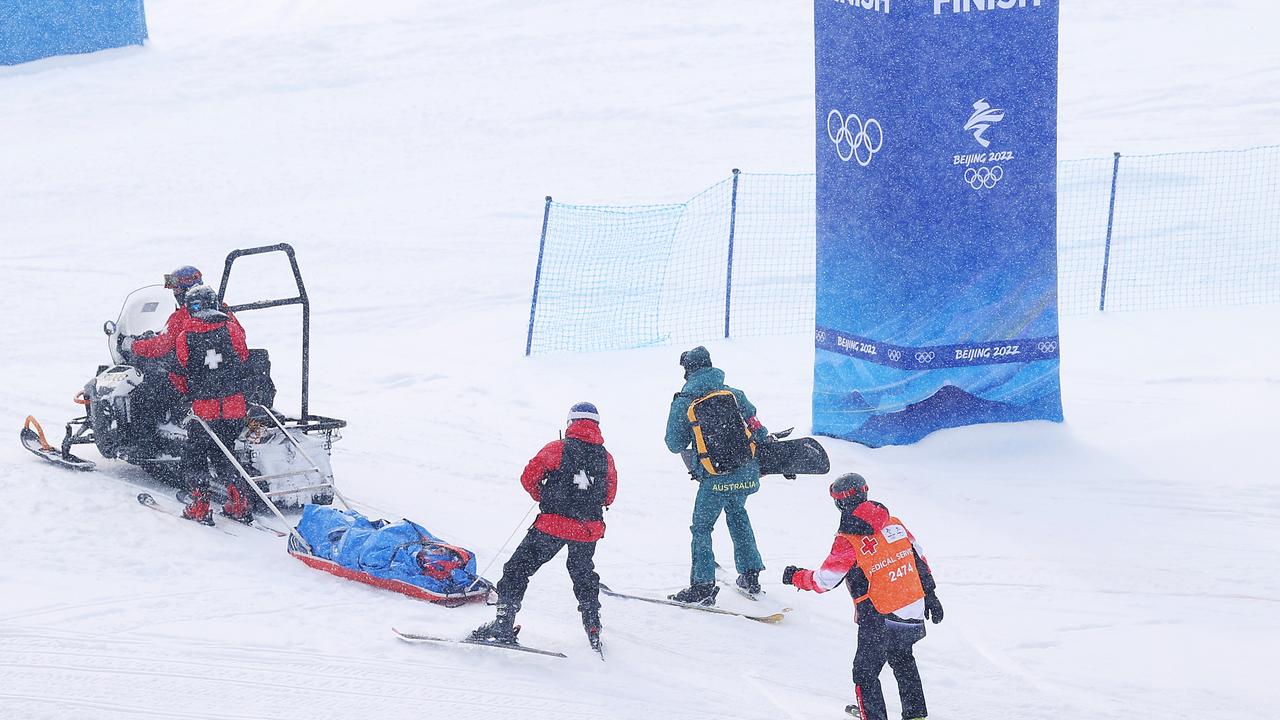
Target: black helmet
{"x":695,"y":359}
{"x":202,"y":302}
{"x":849,"y":491}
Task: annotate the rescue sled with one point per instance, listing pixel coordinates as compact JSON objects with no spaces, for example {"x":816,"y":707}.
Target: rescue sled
{"x":401,"y":556}
{"x":132,"y":413}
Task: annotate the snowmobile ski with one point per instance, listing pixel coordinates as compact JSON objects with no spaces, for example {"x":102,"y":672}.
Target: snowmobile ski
{"x":417,"y":638}
{"x":147,"y":501}
{"x":770,"y":619}
{"x":34,"y":440}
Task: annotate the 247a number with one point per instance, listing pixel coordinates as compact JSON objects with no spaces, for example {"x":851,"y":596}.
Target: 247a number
{"x":901,"y":572}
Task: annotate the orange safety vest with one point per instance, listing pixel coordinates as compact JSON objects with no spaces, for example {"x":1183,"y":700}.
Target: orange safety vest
{"x":888,"y":560}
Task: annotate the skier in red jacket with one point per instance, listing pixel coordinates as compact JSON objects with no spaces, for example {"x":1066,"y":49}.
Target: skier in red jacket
{"x":212,"y":354}
{"x":573,"y":481}
{"x":882,"y":566}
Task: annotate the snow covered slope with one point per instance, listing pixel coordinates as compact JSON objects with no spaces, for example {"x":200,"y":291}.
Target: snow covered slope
{"x":1116,"y":565}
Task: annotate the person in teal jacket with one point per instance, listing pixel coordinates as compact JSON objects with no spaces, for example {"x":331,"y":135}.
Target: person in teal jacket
{"x":725,"y":492}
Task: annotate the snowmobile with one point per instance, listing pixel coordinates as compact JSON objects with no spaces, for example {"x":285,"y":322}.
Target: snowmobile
{"x":133,"y":413}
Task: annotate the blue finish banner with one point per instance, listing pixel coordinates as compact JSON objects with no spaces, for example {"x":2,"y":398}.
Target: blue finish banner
{"x":34,"y":29}
{"x":936,"y":137}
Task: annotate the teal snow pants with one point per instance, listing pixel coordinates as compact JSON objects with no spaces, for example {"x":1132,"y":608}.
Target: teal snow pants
{"x":706,"y":511}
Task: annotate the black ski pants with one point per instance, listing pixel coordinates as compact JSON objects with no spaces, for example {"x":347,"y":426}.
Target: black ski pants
{"x":201,"y":453}
{"x":534,"y":552}
{"x":882,"y":640}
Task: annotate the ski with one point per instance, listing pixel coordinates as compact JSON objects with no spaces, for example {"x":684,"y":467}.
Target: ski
{"x":770,"y":619}
{"x":145,"y":500}
{"x":184,"y":497}
{"x":596,"y":645}
{"x":418,"y":638}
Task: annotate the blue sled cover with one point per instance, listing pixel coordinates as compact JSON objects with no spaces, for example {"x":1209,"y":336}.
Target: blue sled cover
{"x":401,"y":556}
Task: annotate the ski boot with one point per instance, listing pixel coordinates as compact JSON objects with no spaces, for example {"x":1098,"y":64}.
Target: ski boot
{"x":502,"y":629}
{"x":198,"y":508}
{"x":237,"y":505}
{"x":749,"y":582}
{"x":591,"y":624}
{"x":697,"y":594}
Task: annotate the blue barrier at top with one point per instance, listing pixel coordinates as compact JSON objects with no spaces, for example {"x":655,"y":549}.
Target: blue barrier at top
{"x":34,"y":29}
{"x":936,"y":148}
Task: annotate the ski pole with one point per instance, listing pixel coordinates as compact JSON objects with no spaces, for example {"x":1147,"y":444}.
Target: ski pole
{"x":505,"y":543}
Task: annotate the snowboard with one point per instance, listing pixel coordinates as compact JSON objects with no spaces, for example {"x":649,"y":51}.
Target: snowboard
{"x":419,"y":638}
{"x":802,"y":456}
{"x":769,"y":619}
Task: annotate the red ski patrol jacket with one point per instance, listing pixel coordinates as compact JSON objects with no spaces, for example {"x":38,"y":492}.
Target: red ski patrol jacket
{"x":563,"y":465}
{"x":162,"y":344}
{"x":212,"y":355}
{"x":155,"y":348}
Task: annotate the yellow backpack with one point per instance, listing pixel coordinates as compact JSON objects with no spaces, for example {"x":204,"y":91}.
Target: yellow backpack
{"x":720,"y":435}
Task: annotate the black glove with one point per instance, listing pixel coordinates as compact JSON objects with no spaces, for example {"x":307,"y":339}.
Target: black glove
{"x":788,"y":572}
{"x":933,"y":608}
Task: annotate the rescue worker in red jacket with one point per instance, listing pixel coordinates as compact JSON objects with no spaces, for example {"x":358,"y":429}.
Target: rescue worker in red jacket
{"x":573,"y":480}
{"x":212,"y":356}
{"x":885,"y":571}
{"x":161,"y":347}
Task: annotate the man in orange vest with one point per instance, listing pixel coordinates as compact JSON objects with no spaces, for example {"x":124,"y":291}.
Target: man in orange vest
{"x":878,"y":560}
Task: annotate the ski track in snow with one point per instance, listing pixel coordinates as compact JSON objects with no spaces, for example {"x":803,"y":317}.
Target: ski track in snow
{"x":1117,"y":564}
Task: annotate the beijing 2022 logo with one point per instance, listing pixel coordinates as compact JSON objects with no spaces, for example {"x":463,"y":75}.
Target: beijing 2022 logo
{"x":983,"y":170}
{"x":853,"y":138}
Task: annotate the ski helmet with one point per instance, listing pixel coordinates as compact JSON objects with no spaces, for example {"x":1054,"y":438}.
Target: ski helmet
{"x":849,"y":491}
{"x":695,"y":359}
{"x":584,"y":411}
{"x":202,"y":302}
{"x":184,"y":277}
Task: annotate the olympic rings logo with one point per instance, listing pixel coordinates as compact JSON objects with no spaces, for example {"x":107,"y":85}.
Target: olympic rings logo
{"x":1047,"y":346}
{"x":924,"y":357}
{"x":895,"y":355}
{"x":851,"y":144}
{"x":984,"y":177}
{"x":822,"y":336}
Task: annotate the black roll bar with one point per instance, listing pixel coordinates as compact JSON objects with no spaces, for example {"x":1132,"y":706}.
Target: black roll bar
{"x":301,"y":299}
